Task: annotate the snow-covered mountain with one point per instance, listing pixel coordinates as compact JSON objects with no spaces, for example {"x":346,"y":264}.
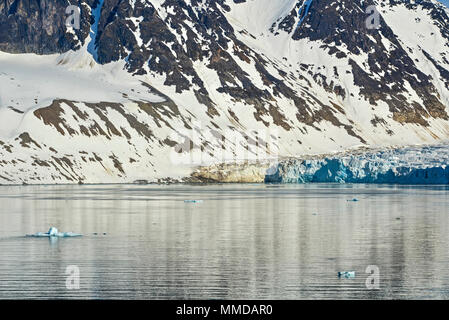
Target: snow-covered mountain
{"x":147,"y":89}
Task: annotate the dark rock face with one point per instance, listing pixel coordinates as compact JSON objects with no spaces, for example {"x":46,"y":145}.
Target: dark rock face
{"x":38,"y":26}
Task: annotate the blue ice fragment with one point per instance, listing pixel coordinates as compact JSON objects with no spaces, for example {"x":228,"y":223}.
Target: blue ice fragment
{"x":52,"y":231}
{"x":346,"y":274}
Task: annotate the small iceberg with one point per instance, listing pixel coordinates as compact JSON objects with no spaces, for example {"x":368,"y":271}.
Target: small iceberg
{"x":53,"y":232}
{"x":193,"y":201}
{"x":346,"y":274}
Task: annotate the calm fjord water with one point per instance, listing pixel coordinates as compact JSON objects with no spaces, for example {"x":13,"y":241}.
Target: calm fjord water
{"x":242,"y":242}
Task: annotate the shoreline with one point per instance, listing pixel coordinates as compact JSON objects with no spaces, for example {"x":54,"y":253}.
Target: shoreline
{"x":243,"y":171}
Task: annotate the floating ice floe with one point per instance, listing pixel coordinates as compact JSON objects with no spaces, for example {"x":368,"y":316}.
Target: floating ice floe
{"x":193,"y":201}
{"x":53,"y":232}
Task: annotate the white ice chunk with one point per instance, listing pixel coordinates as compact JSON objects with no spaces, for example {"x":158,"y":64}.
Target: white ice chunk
{"x":53,"y":232}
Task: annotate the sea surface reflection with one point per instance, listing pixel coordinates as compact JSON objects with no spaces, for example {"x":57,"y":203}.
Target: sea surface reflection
{"x":242,"y":242}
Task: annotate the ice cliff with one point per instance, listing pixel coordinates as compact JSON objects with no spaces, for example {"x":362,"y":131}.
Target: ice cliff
{"x":412,"y":165}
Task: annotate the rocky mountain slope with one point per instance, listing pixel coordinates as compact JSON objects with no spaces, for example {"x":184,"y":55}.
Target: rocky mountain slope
{"x":148,"y":89}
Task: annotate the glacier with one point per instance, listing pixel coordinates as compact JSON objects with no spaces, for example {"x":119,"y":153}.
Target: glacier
{"x":410,"y":165}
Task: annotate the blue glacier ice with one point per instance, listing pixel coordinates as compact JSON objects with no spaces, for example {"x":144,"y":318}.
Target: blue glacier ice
{"x":412,"y":165}
{"x":346,"y":274}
